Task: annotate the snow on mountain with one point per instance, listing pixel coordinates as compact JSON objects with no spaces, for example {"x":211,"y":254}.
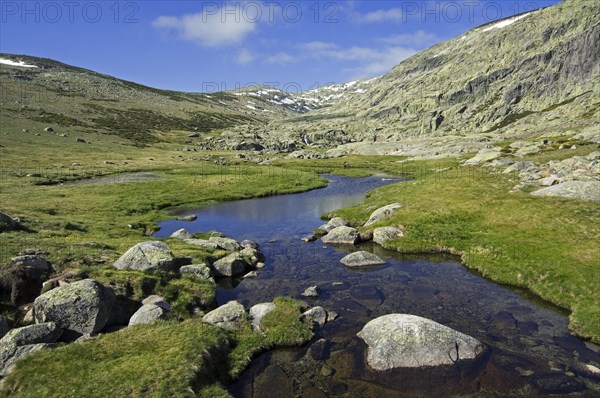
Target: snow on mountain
{"x":15,"y":63}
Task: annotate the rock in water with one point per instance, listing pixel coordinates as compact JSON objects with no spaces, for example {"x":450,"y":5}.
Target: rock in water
{"x":409,"y":341}
{"x":78,"y":308}
{"x":337,"y":222}
{"x":382,"y":212}
{"x":32,"y":334}
{"x":257,"y":313}
{"x":191,"y":217}
{"x":342,"y":235}
{"x":383,"y":234}
{"x":229,"y":316}
{"x":361,"y":259}
{"x":316,"y":314}
{"x":312,"y":291}
{"x":148,"y":313}
{"x":153,"y":255}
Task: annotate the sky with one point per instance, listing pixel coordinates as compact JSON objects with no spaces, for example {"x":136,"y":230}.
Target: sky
{"x":223,"y":45}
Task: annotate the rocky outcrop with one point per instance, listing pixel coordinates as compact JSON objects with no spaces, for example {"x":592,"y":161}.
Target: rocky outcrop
{"x":257,"y":313}
{"x":78,"y":308}
{"x":409,"y":341}
{"x":361,"y":259}
{"x":382,"y":234}
{"x":382,"y":212}
{"x":229,"y":316}
{"x":342,"y":235}
{"x":147,"y":256}
{"x":584,"y":190}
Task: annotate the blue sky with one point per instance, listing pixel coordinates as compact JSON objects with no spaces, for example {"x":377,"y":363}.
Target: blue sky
{"x":210,"y":45}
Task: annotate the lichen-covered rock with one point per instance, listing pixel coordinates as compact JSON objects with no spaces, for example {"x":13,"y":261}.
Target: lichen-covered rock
{"x":145,"y":256}
{"x":342,"y":235}
{"x":382,"y":212}
{"x":148,"y":313}
{"x":337,"y":222}
{"x":181,"y":234}
{"x":200,"y":271}
{"x":231,"y":265}
{"x":257,"y":313}
{"x":383,"y":234}
{"x":225,"y":243}
{"x":409,"y":341}
{"x":47,"y":332}
{"x":78,"y":308}
{"x":229,"y":316}
{"x":361,"y":259}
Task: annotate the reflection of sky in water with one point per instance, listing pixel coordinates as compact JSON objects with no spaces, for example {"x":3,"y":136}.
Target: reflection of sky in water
{"x":266,"y":218}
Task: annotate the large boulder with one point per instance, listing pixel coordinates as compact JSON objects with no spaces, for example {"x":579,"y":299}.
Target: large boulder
{"x":153,"y":255}
{"x":382,"y":234}
{"x":409,"y":341}
{"x":200,"y":271}
{"x":342,"y":235}
{"x":28,"y":273}
{"x":257,"y":313}
{"x":33,"y":334}
{"x":229,"y":316}
{"x":231,"y":265}
{"x":10,"y":355}
{"x":382,"y":212}
{"x":148,"y":313}
{"x":225,"y":243}
{"x":361,"y":259}
{"x":78,"y":308}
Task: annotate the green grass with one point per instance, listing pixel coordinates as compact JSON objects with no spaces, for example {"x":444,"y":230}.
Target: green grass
{"x":165,"y":359}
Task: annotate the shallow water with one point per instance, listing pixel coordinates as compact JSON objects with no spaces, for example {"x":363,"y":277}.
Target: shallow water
{"x":531,"y":352}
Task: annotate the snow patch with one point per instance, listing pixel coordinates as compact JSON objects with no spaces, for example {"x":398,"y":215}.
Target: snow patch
{"x":505,"y":23}
{"x":16,"y":63}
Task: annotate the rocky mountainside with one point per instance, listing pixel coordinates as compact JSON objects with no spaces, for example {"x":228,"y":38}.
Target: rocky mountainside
{"x":522,"y":77}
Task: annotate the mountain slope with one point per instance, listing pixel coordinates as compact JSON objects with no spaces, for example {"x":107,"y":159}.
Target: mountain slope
{"x":530,"y":74}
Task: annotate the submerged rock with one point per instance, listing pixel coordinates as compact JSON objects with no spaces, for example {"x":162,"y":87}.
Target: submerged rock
{"x":382,"y":212}
{"x":409,"y":341}
{"x":361,"y":259}
{"x":145,"y":256}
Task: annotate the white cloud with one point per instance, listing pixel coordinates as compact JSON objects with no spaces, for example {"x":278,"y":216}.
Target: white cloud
{"x":210,"y":29}
{"x":389,"y":15}
{"x":317,"y":46}
{"x":244,"y":57}
{"x":418,"y":39}
{"x":282,"y":58}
